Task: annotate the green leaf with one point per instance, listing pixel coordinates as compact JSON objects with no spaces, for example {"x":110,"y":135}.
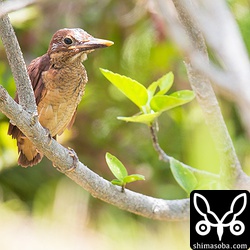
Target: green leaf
{"x":116,"y":167}
{"x":132,"y":89}
{"x":185,"y":177}
{"x":133,"y":177}
{"x":117,"y":182}
{"x":164,"y":83}
{"x":211,"y":184}
{"x":187,"y":95}
{"x":165,"y":102}
{"x":143,"y":118}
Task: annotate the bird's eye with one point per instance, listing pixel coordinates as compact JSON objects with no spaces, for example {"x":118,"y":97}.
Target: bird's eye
{"x":68,"y":40}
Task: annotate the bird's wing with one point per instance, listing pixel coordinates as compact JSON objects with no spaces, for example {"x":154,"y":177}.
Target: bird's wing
{"x":35,"y":70}
{"x":72,"y":120}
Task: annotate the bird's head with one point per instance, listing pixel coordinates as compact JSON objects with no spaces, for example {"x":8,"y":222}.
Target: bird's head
{"x":74,"y":44}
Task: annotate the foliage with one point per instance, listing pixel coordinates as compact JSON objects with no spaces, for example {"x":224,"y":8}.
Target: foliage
{"x":152,"y":103}
{"x":183,"y":175}
{"x":120,"y":172}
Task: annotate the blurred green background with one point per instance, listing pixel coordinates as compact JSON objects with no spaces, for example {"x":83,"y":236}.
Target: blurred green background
{"x":39,"y":206}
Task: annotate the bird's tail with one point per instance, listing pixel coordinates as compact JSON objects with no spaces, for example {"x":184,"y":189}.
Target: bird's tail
{"x":29,"y":156}
{"x":25,"y":162}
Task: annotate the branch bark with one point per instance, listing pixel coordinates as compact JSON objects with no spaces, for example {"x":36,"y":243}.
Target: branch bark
{"x":21,"y":116}
{"x":17,"y":64}
{"x":162,"y":155}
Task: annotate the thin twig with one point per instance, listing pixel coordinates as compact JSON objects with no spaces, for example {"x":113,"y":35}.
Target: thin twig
{"x":162,"y":155}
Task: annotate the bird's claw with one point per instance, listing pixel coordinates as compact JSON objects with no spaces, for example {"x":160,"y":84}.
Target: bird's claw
{"x":34,"y":118}
{"x":72,"y":153}
{"x":48,"y":134}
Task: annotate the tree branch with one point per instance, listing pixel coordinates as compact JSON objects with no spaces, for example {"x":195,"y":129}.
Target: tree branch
{"x":231,"y":78}
{"x":229,"y":48}
{"x":102,"y":189}
{"x":10,"y":6}
{"x":98,"y":187}
{"x":189,"y":37}
{"x":17,"y":64}
{"x":162,"y":155}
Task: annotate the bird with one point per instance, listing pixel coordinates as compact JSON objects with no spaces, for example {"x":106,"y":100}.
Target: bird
{"x":58,"y":80}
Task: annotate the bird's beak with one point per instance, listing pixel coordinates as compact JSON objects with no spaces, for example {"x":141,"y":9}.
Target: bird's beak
{"x":91,"y":44}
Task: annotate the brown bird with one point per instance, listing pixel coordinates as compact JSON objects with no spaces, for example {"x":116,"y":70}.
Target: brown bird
{"x":58,"y":79}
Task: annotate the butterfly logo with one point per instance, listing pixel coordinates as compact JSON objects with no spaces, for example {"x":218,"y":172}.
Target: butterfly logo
{"x":210,"y":219}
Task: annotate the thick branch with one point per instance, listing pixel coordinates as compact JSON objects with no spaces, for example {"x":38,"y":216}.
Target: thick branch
{"x":102,"y":189}
{"x":17,"y":64}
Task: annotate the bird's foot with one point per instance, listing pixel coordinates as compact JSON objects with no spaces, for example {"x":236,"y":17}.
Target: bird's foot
{"x":48,"y":134}
{"x":34,"y":118}
{"x":73,"y":154}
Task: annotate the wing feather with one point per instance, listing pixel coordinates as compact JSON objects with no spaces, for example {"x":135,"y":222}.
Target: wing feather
{"x":35,"y":71}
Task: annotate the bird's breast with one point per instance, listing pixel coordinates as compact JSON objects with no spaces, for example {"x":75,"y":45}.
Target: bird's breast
{"x":62,"y":93}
